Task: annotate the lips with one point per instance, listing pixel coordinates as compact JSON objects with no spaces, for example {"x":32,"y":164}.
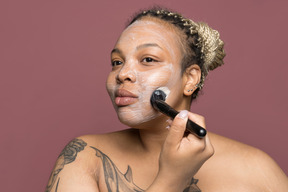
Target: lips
{"x":124,"y":97}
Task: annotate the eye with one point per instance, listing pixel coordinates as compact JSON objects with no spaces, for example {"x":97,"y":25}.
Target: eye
{"x":116,"y":62}
{"x":148,"y":60}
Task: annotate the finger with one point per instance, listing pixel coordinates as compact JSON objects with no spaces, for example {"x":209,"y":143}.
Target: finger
{"x":191,"y":138}
{"x":209,"y":147}
{"x":198,"y":119}
{"x":177,"y":128}
{"x":200,"y":145}
{"x":195,"y":142}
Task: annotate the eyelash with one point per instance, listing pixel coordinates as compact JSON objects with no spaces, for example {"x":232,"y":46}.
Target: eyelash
{"x":151,"y":60}
{"x":145,"y":60}
{"x":116,"y":62}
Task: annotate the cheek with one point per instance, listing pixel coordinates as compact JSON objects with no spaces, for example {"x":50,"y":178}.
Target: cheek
{"x":151,"y":80}
{"x":110,"y":84}
{"x":164,"y":77}
{"x":155,"y":79}
{"x":169,"y":79}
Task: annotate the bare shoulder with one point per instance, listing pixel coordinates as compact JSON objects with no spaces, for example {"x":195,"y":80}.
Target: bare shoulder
{"x":112,"y":138}
{"x":77,"y":166}
{"x":110,"y":143}
{"x":71,"y":165}
{"x":238,"y":164}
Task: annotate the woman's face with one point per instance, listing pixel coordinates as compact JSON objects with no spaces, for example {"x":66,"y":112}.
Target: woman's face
{"x":146,"y":56}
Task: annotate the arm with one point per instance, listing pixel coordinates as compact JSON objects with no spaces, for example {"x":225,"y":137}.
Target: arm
{"x":70,"y":170}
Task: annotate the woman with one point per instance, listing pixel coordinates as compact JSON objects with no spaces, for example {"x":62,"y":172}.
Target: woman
{"x":161,"y":49}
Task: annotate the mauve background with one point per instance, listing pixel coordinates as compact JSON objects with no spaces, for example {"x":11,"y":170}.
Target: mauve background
{"x":55,"y":59}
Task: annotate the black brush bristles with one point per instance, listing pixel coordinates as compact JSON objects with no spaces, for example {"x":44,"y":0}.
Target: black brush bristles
{"x":157,"y":95}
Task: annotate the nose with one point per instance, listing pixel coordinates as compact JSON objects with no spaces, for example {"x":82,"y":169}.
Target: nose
{"x":126,"y":73}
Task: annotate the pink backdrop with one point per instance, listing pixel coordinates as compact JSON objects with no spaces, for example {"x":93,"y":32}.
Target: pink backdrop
{"x":55,"y":58}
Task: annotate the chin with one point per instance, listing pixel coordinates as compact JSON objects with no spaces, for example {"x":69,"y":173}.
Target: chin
{"x":135,"y":120}
{"x":130,"y":124}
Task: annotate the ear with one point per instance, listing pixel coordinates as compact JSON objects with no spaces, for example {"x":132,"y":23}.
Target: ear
{"x":191,"y":77}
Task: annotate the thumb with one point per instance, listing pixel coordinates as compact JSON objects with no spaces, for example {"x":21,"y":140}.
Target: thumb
{"x":177,"y":129}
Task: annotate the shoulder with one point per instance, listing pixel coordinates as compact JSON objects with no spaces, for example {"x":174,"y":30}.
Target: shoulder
{"x":79,"y":160}
{"x":110,"y":140}
{"x":242,"y":154}
{"x":244,"y":165}
{"x":88,"y":145}
{"x":110,"y":144}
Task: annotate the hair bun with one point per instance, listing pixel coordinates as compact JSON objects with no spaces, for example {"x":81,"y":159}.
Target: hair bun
{"x":211,"y":47}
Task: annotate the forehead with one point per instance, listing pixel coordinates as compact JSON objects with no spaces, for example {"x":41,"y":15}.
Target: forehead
{"x":151,"y":30}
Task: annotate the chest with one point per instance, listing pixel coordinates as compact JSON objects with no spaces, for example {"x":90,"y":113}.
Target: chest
{"x":124,"y":174}
{"x":116,"y":175}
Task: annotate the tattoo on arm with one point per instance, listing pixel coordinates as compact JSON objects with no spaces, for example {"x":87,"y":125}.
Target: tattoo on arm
{"x":118,"y":182}
{"x":68,"y":155}
{"x":57,"y":185}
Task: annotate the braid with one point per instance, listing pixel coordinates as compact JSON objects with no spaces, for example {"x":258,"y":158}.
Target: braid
{"x":203,"y":46}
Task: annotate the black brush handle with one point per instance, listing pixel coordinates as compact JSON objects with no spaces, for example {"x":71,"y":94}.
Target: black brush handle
{"x":192,"y":127}
{"x":195,"y":128}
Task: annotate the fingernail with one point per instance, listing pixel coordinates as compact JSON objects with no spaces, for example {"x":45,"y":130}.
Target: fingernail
{"x":183,"y":114}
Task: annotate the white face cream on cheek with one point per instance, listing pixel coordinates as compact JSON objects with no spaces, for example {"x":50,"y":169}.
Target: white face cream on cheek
{"x":147,"y":83}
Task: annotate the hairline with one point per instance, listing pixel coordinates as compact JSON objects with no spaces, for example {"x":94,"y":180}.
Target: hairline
{"x":181,"y":36}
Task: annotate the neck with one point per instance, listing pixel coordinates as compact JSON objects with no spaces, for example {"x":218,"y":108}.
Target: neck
{"x":153,"y":135}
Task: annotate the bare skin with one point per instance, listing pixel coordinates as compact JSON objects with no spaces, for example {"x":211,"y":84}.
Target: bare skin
{"x":151,"y":157}
{"x":233,"y":167}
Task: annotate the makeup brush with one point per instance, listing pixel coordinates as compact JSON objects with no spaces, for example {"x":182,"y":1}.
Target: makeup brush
{"x":157,"y":100}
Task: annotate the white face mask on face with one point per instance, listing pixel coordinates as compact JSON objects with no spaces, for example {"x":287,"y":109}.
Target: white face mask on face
{"x":147,"y":56}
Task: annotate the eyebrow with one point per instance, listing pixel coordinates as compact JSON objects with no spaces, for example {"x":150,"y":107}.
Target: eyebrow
{"x":148,"y":45}
{"x":116,"y":50}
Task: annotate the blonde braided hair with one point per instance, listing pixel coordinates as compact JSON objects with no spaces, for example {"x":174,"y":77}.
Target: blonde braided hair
{"x":204,"y":47}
